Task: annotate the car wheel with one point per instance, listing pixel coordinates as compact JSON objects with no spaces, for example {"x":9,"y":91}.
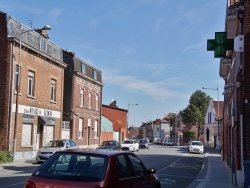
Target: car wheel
{"x":39,"y":162}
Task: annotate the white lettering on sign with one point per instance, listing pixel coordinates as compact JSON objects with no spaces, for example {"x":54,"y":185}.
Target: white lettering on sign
{"x":36,"y":111}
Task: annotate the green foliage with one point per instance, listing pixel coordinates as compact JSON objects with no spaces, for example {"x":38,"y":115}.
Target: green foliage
{"x":172,"y":117}
{"x":196,"y":110}
{"x":188,"y":136}
{"x":5,"y":157}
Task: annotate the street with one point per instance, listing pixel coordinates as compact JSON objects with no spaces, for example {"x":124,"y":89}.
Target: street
{"x":174,"y":166}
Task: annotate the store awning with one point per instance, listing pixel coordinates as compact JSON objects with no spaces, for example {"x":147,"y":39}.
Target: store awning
{"x":46,"y":120}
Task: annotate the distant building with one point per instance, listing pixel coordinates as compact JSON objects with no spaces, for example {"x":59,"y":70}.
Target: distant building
{"x":119,"y":118}
{"x":210,"y":128}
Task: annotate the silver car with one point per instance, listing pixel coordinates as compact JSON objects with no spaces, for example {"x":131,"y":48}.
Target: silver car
{"x":53,"y":146}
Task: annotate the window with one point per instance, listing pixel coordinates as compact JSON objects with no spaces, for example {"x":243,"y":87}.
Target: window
{"x":80,"y":132}
{"x":124,"y":169}
{"x":89,"y":122}
{"x":138,"y":167}
{"x":96,"y":102}
{"x":95,"y":74}
{"x":209,"y":117}
{"x":31,"y":83}
{"x":83,"y":68}
{"x":17,"y":77}
{"x":90,"y":100}
{"x":96,"y":129}
{"x":53,"y":90}
{"x":81,"y":97}
{"x":26,"y":135}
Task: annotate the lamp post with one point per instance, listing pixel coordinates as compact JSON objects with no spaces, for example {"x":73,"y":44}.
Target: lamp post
{"x":218,"y":116}
{"x":46,"y":27}
{"x":128,"y":116}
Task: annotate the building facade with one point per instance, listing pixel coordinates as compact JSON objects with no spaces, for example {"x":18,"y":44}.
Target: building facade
{"x":235,"y":71}
{"x":119,"y":118}
{"x":32,"y":74}
{"x":212,"y":128}
{"x":82,"y":100}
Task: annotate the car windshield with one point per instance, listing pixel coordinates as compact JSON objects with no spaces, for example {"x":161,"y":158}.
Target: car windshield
{"x":196,"y":143}
{"x":75,"y":167}
{"x":56,"y":143}
{"x":108,"y":143}
{"x":128,"y":142}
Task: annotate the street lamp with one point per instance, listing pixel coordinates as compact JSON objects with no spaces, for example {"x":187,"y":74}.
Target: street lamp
{"x":46,"y":27}
{"x":218,"y":118}
{"x":128,"y":115}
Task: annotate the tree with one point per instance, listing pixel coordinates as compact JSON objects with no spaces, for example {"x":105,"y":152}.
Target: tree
{"x":196,"y":110}
{"x":172,"y":117}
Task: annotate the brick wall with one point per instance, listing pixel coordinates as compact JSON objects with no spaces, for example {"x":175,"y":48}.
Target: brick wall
{"x":246,"y":68}
{"x":5,"y":84}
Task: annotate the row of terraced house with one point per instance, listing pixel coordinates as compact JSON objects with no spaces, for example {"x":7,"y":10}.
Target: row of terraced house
{"x":47,"y":93}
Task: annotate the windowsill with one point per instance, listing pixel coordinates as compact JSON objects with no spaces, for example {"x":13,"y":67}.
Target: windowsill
{"x":54,"y":102}
{"x":27,"y":146}
{"x":96,"y":138}
{"x":30,"y":96}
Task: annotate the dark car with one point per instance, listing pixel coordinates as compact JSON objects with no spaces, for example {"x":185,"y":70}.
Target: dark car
{"x":93,"y":168}
{"x":143,"y":144}
{"x":110,"y":144}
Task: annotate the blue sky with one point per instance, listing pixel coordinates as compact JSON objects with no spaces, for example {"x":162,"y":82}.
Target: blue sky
{"x":151,"y":52}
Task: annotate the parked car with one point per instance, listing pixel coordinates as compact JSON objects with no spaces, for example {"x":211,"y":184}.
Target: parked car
{"x":130,"y":145}
{"x":188,"y":145}
{"x":164,"y":142}
{"x":170,"y":143}
{"x":157,"y":141}
{"x":143,"y":144}
{"x":52,"y":146}
{"x":110,"y":144}
{"x":196,"y":147}
{"x":93,"y":168}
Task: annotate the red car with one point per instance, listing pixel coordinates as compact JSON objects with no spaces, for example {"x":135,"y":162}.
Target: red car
{"x":77,"y":168}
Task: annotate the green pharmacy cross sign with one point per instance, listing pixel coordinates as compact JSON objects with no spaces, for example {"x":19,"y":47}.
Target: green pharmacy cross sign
{"x":220,"y":44}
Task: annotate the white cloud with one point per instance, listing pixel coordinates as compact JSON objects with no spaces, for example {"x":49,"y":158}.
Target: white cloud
{"x":54,"y":15}
{"x":156,"y":89}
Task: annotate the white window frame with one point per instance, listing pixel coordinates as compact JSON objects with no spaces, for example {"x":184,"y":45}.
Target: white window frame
{"x":96,"y":129}
{"x":53,"y":90}
{"x":90,"y":100}
{"x":80,"y":129}
{"x":96,"y":102}
{"x":31,"y":83}
{"x":81,"y":97}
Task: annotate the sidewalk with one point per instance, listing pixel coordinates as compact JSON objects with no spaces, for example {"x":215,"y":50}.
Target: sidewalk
{"x":214,"y":174}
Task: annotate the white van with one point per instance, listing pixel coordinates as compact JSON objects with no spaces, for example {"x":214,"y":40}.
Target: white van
{"x":157,"y":141}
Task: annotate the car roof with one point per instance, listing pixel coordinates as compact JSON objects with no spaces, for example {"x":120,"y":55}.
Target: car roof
{"x":60,"y":140}
{"x":94,"y":151}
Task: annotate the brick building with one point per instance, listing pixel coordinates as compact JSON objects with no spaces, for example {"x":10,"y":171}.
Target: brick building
{"x":235,"y":70}
{"x":32,"y":116}
{"x":82,"y":100}
{"x":119,"y":118}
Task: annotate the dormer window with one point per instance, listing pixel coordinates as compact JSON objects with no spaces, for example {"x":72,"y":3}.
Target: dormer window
{"x":83,"y":68}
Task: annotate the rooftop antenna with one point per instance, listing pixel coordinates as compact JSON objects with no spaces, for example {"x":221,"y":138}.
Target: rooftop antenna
{"x":31,"y":23}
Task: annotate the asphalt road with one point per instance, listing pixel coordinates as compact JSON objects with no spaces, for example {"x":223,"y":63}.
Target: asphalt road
{"x":175,"y":167}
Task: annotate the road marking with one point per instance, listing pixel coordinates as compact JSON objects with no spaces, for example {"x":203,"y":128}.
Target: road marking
{"x":158,"y":171}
